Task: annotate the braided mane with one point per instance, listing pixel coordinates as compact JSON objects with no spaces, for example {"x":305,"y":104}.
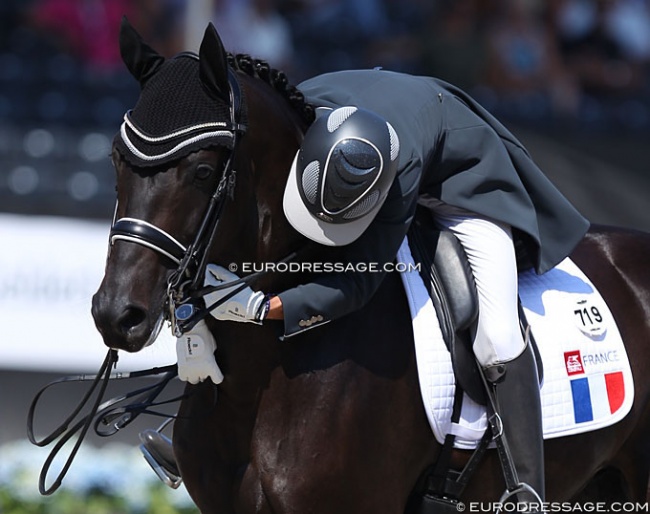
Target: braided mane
{"x":277,"y":79}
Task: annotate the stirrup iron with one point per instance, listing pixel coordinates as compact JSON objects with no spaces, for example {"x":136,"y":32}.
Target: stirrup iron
{"x":156,"y":449}
{"x":523,"y":487}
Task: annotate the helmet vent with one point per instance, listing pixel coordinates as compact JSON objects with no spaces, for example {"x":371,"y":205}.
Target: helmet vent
{"x":394,"y":142}
{"x":337,"y":117}
{"x":364,"y":206}
{"x":310,"y":181}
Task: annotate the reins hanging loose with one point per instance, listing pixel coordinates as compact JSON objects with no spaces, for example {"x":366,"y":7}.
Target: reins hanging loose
{"x":184,"y":286}
{"x":99,"y":414}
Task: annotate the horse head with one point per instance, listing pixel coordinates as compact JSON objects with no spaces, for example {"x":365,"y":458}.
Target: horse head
{"x":201,"y":163}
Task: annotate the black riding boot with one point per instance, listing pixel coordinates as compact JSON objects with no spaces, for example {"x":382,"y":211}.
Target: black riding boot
{"x":516,"y":389}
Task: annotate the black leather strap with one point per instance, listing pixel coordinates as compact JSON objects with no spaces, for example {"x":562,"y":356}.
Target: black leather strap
{"x":140,"y":232}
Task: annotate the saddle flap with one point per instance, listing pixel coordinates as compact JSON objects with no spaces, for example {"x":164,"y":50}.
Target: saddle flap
{"x":457,"y":280}
{"x":445,"y":263}
{"x":450,"y":283}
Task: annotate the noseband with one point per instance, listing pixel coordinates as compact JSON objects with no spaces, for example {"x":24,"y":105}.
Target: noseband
{"x":146,"y":234}
{"x":183,"y":283}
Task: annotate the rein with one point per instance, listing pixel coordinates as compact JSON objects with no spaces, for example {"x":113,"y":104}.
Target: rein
{"x":101,"y":412}
{"x":184,"y":291}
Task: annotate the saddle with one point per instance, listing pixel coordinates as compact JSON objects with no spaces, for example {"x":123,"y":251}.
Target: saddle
{"x":446,"y":274}
{"x":448,"y":278}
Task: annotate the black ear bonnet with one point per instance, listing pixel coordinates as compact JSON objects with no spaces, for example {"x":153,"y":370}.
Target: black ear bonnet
{"x":181,"y":108}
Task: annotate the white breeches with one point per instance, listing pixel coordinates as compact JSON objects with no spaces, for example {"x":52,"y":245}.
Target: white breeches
{"x":491,"y":254}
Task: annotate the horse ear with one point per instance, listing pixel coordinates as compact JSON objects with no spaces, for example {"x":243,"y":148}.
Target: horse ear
{"x":213,"y":65}
{"x":141,"y":60}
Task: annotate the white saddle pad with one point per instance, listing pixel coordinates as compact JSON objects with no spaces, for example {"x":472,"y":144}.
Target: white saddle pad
{"x":587,"y":377}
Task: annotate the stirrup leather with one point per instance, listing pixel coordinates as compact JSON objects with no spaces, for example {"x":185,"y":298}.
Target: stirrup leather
{"x":494,"y":378}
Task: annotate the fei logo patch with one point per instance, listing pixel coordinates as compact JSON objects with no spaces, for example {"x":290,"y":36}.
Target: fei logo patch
{"x":573,"y":363}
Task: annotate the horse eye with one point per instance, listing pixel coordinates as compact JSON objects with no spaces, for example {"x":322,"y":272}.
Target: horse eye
{"x":203,"y":171}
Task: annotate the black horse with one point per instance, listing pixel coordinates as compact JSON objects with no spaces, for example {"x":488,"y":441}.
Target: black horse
{"x":330,"y":421}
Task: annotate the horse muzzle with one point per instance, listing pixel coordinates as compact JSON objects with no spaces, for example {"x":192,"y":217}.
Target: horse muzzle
{"x":125,"y":325}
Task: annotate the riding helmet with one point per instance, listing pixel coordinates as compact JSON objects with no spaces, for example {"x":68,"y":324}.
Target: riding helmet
{"x":341,"y":175}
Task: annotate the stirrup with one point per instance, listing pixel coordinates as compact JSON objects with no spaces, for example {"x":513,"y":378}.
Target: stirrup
{"x":156,"y":449}
{"x":522,"y":487}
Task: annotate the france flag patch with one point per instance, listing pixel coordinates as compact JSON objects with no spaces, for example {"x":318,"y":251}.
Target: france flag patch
{"x":597,"y":396}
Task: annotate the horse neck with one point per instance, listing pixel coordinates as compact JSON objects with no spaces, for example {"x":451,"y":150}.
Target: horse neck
{"x":264,"y":156}
{"x":256,"y":231}
{"x":247,"y":354}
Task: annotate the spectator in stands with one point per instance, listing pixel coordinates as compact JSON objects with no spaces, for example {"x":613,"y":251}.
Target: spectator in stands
{"x":336,"y":34}
{"x":89,"y":29}
{"x":253,"y":27}
{"x":606,"y":43}
{"x":452,"y":44}
{"x":85,"y":29}
{"x":524,"y":66}
{"x":397,"y":45}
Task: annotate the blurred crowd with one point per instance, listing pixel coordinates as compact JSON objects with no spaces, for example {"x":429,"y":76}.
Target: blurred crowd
{"x":551,"y":64}
{"x":585,"y":60}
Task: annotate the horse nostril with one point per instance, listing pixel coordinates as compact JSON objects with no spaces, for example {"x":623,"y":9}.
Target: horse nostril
{"x":131,"y":318}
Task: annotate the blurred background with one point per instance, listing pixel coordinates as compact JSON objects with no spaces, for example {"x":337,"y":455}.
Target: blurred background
{"x":571,"y":78}
{"x":571,"y":74}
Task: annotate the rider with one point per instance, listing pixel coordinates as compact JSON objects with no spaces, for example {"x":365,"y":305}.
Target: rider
{"x":382,"y":143}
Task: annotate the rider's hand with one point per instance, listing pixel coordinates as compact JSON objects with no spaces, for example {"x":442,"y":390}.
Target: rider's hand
{"x":195,"y":352}
{"x":245,"y":306}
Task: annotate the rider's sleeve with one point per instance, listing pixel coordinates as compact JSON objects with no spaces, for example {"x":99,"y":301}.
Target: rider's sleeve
{"x":332,"y":295}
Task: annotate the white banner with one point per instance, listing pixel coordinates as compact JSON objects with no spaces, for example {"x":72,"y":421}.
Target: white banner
{"x":49,"y":270}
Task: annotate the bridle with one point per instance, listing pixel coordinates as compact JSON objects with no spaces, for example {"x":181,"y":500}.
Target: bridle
{"x":182,"y":288}
{"x":184,"y":284}
{"x":185,"y":291}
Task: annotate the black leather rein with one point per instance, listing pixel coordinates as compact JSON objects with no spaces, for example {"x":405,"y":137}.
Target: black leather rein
{"x":104,"y":416}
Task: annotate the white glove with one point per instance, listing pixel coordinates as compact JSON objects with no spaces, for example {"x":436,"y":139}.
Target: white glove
{"x":195,"y":352}
{"x":244,"y":306}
